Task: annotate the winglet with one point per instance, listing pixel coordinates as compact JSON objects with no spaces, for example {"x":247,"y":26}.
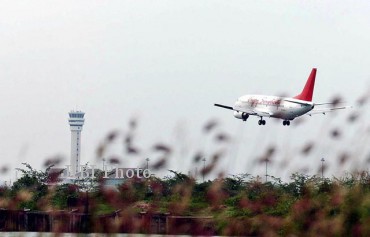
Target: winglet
{"x":307,"y":91}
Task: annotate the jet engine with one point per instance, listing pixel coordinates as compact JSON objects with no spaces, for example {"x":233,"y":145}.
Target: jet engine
{"x":241,"y":115}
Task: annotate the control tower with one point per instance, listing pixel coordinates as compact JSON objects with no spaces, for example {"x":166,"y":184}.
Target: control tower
{"x":76,"y":121}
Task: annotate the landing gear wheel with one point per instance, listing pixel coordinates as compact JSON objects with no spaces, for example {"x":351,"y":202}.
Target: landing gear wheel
{"x":264,"y":122}
{"x":259,"y":122}
{"x":287,"y":123}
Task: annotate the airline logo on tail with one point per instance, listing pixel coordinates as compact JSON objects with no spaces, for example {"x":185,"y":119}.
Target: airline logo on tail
{"x":285,"y":108}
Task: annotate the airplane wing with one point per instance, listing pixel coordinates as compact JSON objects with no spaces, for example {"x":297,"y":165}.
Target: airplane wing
{"x":263,"y":114}
{"x":238,"y":109}
{"x":224,"y":106}
{"x":326,"y":110}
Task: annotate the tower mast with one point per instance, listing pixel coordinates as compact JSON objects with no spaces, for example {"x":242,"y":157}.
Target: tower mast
{"x":76,"y":121}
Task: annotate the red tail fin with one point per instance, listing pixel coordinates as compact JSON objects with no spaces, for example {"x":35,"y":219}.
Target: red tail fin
{"x":307,"y":91}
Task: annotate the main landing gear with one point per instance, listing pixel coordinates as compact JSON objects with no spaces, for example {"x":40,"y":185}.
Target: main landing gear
{"x":286,"y":122}
{"x":261,"y":122}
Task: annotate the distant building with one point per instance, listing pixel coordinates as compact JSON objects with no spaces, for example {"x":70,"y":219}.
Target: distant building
{"x":116,"y":178}
{"x":76,"y":121}
{"x":74,"y":171}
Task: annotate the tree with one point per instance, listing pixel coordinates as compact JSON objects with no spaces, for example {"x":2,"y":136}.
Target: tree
{"x":31,"y":187}
{"x":65,"y":196}
{"x":171,"y":182}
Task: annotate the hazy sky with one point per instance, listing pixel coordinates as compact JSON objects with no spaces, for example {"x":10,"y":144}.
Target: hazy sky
{"x":166,"y":63}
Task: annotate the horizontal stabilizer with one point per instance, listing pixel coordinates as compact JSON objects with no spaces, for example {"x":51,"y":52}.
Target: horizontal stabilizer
{"x":327,"y":110}
{"x":330,"y":103}
{"x":298,"y":102}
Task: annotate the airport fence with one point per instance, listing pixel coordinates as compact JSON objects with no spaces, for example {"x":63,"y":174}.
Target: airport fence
{"x":116,"y":222}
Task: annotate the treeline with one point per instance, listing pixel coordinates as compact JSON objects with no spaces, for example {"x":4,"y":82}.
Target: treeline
{"x":238,"y":205}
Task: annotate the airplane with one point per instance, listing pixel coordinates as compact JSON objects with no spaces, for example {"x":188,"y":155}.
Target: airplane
{"x":285,"y":108}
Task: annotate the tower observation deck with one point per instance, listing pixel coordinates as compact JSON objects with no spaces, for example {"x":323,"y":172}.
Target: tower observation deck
{"x":76,"y":121}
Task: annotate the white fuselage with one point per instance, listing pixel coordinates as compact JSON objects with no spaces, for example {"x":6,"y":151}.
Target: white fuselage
{"x":273,"y":106}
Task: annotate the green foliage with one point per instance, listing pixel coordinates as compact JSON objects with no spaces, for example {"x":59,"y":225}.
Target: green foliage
{"x":134,"y":190}
{"x":201,"y":188}
{"x":89,"y":184}
{"x":234,"y":184}
{"x":240,"y":204}
{"x":33,"y":186}
{"x":65,"y":196}
{"x":4,"y":192}
{"x":170,"y":182}
{"x":104,"y":208}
